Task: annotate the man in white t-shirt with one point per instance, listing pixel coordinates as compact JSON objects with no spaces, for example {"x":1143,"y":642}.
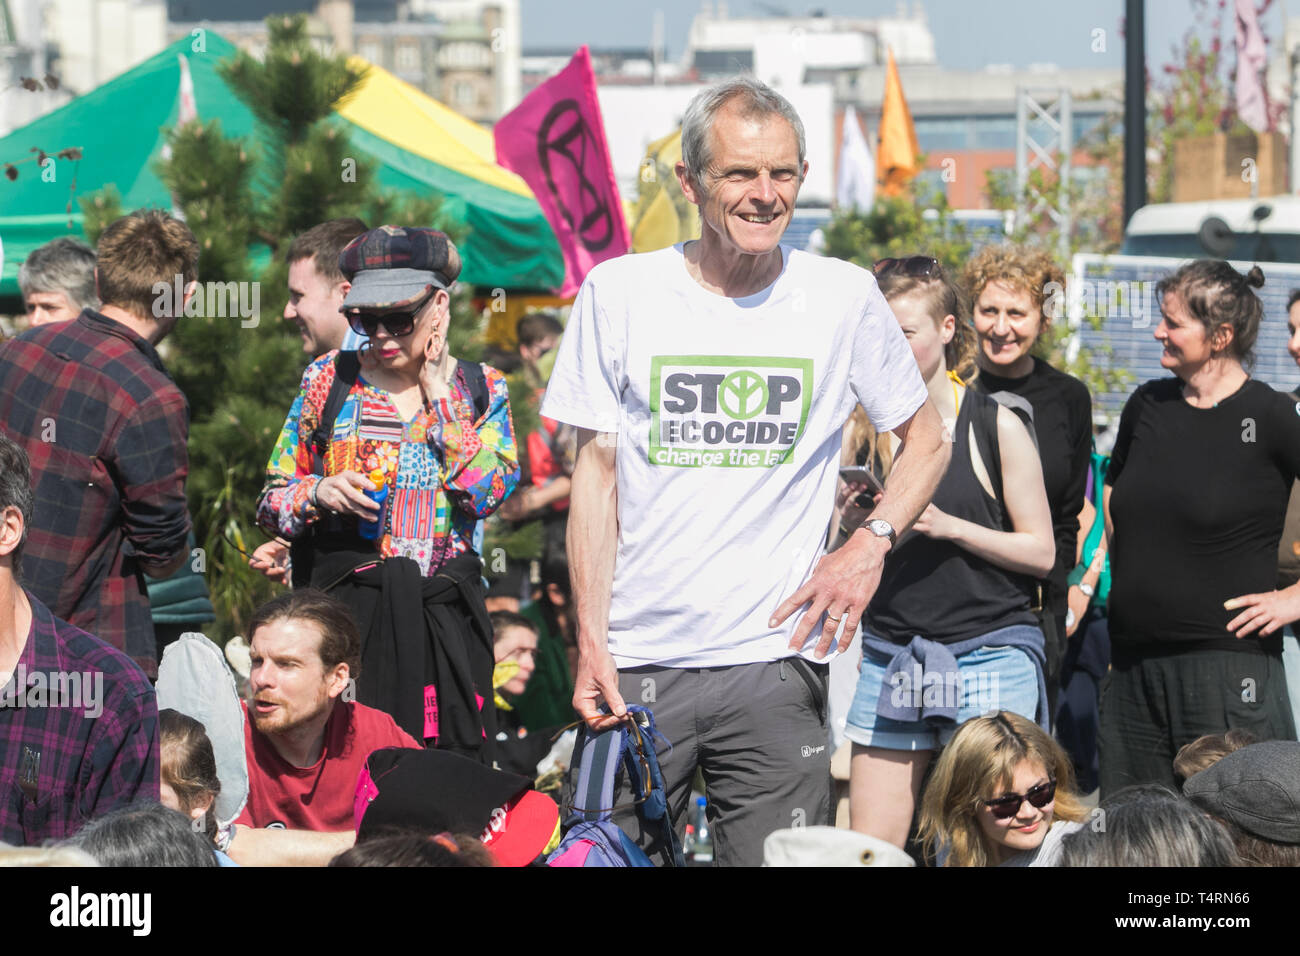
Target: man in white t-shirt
{"x":710,"y":382}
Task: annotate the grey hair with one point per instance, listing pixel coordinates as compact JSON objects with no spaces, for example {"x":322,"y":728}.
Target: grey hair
{"x":16,"y":492}
{"x":144,"y":834}
{"x":62,"y":265}
{"x":1149,"y":825}
{"x":756,"y":99}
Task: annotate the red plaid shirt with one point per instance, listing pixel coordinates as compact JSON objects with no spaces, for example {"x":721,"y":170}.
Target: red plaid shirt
{"x":105,"y":428}
{"x":78,"y":733}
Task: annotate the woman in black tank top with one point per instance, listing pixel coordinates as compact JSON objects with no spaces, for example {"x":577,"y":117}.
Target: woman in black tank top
{"x":965,"y":569}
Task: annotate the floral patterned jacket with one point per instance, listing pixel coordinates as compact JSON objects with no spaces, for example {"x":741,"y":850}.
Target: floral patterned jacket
{"x":445,"y":469}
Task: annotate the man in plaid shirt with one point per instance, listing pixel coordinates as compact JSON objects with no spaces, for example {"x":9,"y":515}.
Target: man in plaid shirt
{"x":78,"y":720}
{"x":105,"y":428}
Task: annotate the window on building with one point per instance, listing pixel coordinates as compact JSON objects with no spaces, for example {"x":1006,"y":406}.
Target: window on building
{"x":371,"y":49}
{"x":999,"y":132}
{"x":408,"y":56}
{"x":463,"y":55}
{"x":463,"y":93}
{"x":935,"y":134}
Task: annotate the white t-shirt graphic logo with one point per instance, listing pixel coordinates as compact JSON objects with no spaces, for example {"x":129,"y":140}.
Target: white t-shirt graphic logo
{"x":727,"y":411}
{"x":738,"y":393}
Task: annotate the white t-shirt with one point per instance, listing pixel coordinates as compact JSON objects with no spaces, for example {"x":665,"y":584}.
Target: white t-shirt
{"x":729,"y":415}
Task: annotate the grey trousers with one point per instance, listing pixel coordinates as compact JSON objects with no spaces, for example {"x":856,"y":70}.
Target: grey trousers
{"x":758,"y":734}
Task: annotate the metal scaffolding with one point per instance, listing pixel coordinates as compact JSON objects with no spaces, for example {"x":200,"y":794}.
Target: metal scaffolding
{"x":1050,"y":108}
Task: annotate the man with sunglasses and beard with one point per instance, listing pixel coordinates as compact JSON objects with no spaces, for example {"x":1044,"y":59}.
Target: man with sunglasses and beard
{"x":379,"y":475}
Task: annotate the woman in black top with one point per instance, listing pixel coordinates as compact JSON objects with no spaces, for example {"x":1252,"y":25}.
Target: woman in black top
{"x":1017,"y":293}
{"x":1195,"y":498}
{"x":957,"y":586}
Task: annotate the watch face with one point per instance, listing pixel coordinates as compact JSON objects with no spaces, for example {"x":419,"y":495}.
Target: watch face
{"x":880,"y":527}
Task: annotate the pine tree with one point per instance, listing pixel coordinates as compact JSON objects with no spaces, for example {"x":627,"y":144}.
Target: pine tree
{"x":245,"y":201}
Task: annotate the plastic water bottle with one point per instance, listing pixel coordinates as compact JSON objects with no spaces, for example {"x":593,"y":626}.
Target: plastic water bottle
{"x":688,"y":843}
{"x":369,"y":529}
{"x":703,"y":843}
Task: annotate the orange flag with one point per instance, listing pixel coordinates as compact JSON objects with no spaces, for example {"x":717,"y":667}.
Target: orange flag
{"x":898,"y":156}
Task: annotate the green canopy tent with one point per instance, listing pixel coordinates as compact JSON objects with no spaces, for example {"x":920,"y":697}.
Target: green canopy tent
{"x":120,"y":126}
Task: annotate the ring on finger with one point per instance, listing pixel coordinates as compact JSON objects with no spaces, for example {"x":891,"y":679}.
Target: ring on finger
{"x":834,"y":618}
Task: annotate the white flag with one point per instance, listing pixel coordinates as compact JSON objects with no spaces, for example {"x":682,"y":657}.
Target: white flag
{"x":856,"y":182}
{"x":186,"y":110}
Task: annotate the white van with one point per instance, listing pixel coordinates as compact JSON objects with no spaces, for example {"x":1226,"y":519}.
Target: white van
{"x":1247,"y":230}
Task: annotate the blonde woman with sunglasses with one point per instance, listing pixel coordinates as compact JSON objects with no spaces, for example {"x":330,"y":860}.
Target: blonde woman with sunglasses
{"x":1002,"y":794}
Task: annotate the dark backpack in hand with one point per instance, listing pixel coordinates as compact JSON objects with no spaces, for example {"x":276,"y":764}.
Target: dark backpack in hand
{"x":592,"y":838}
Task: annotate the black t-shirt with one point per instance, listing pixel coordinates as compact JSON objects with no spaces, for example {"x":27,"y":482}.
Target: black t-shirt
{"x":1198,"y":500}
{"x":937,"y":589}
{"x":1288,"y":551}
{"x":1063,"y":428}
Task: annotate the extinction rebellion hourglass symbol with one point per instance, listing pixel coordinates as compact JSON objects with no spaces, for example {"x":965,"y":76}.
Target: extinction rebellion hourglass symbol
{"x":563,"y":143}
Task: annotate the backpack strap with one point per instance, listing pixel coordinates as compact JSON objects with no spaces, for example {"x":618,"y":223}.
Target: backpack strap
{"x":985,"y":421}
{"x":597,"y":758}
{"x":474,"y":378}
{"x":984,"y":424}
{"x":646,"y":777}
{"x":347,"y":366}
{"x":1022,"y":407}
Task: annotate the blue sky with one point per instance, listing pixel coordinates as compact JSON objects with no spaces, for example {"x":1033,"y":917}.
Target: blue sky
{"x":968,"y":33}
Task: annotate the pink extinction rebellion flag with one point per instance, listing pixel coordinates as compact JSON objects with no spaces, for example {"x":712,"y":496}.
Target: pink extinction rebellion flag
{"x":1252,"y":56}
{"x":555,"y":140}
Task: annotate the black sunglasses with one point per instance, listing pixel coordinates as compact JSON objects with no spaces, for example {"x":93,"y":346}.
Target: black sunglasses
{"x":1040,"y":796}
{"x":918,"y":267}
{"x":398,"y":323}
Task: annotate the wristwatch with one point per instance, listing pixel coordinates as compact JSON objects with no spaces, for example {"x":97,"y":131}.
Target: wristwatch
{"x":1087,"y":589}
{"x":882,"y":529}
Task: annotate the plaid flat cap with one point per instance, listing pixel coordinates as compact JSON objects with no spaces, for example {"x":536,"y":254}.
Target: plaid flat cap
{"x":394,"y":267}
{"x":1256,"y":787}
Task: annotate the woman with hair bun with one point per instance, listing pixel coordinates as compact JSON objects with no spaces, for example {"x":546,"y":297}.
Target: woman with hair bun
{"x":1194,"y":500}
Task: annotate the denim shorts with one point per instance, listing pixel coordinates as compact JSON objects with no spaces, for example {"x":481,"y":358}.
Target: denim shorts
{"x":992,"y":678}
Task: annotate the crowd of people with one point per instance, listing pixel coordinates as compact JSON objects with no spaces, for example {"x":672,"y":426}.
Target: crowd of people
{"x":750,"y":466}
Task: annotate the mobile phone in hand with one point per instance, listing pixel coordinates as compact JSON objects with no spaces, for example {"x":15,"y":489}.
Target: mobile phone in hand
{"x":863,"y":476}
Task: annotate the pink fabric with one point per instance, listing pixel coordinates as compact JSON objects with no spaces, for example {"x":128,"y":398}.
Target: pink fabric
{"x":555,"y":140}
{"x":576,"y":855}
{"x":431,"y":712}
{"x":366,"y":792}
{"x":1252,"y":56}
